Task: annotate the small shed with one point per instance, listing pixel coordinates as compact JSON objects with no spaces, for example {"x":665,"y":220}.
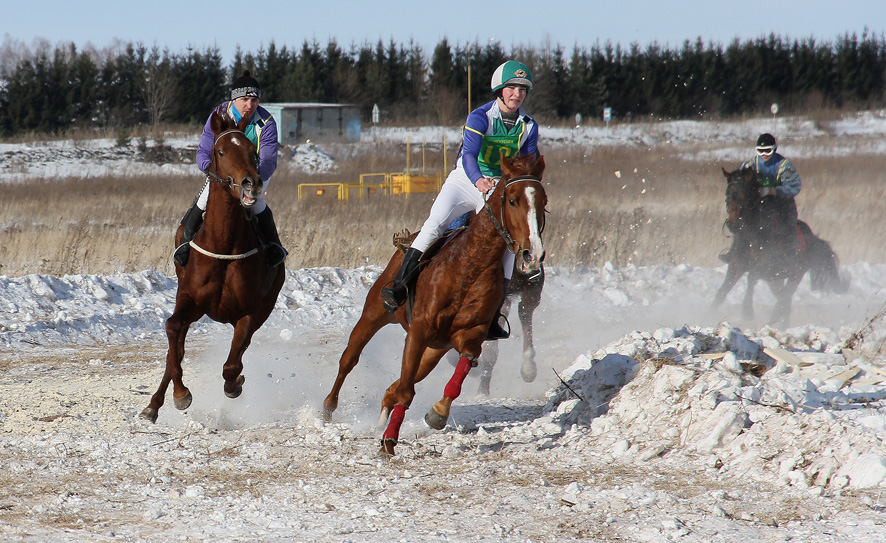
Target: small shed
{"x":300,"y":121}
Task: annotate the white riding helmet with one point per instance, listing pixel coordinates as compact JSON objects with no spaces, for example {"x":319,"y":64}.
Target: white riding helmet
{"x":511,"y":73}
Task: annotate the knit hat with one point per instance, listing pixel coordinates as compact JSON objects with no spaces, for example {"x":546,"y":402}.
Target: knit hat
{"x":245,"y":85}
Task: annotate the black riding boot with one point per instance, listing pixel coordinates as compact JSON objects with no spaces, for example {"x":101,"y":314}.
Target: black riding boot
{"x":191,"y":221}
{"x":396,"y":294}
{"x":495,"y":329}
{"x":726,"y":257}
{"x":275,"y":254}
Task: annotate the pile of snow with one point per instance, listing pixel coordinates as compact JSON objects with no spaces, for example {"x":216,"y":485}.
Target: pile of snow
{"x":309,"y":158}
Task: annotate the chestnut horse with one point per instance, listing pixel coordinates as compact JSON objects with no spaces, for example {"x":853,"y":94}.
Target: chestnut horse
{"x":757,"y":250}
{"x":457,"y":295}
{"x":226,"y":276}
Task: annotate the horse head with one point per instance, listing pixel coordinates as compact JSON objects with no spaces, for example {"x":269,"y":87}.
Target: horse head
{"x":522,"y":212}
{"x":742,"y":192}
{"x":233,"y":161}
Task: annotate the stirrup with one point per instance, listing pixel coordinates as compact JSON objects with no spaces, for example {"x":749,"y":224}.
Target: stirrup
{"x":181,"y":254}
{"x":391,"y":301}
{"x":496,"y":332}
{"x":275,"y":254}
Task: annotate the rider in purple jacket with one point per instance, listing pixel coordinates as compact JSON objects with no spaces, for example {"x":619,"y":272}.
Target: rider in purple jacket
{"x":262,"y":132}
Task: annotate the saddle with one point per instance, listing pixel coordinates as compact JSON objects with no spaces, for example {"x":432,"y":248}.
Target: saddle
{"x":403,"y":241}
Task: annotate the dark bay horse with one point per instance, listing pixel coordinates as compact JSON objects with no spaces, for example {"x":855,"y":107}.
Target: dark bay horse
{"x":758,"y":250}
{"x":457,"y":295}
{"x":226,"y":276}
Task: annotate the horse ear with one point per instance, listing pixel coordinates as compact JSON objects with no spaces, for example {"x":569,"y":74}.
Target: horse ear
{"x":216,"y":122}
{"x":539,"y":167}
{"x":241,"y":126}
{"x":725,"y":173}
{"x":506,"y":163}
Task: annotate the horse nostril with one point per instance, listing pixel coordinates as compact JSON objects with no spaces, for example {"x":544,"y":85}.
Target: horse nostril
{"x":527,"y":256}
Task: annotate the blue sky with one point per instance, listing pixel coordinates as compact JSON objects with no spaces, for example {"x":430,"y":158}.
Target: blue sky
{"x":225,"y":23}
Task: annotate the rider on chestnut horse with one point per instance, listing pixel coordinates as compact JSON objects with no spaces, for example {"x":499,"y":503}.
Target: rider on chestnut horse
{"x":499,"y":128}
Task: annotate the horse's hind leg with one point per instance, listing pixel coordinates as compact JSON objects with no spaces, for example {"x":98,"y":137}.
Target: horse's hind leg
{"x":370,"y":322}
{"x":176,"y":331}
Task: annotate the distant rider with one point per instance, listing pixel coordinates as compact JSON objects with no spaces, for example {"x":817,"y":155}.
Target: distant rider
{"x":262,"y":132}
{"x":500,"y":125}
{"x":779,"y":180}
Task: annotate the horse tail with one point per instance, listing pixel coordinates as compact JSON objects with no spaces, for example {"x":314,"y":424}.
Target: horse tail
{"x":824,"y":265}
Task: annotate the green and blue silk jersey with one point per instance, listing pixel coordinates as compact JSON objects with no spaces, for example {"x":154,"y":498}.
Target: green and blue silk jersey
{"x":486,"y":138}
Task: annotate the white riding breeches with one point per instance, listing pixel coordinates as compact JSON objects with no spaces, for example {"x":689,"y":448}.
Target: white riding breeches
{"x":257,"y":207}
{"x":457,"y":196}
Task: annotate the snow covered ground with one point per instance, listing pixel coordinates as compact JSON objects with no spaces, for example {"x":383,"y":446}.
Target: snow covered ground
{"x":652,"y":418}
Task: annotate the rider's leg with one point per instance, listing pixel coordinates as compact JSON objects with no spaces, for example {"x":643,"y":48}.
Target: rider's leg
{"x":396,"y":294}
{"x":457,"y":196}
{"x":495,"y":329}
{"x":275,"y":254}
{"x":191,"y":221}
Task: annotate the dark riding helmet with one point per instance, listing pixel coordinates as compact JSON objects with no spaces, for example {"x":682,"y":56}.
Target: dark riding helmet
{"x":766,"y":144}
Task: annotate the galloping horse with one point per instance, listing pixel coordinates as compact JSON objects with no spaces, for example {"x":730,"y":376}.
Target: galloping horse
{"x":757,"y":250}
{"x":456,"y":296}
{"x":226,"y":276}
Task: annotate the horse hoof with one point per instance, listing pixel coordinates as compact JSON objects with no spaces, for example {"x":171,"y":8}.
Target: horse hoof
{"x":435,"y":420}
{"x":239,"y":388}
{"x":149,"y":414}
{"x":387,"y":449}
{"x":528,"y":372}
{"x":183,"y":403}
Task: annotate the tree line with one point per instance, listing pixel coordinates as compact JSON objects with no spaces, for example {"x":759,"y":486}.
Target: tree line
{"x":54,"y":89}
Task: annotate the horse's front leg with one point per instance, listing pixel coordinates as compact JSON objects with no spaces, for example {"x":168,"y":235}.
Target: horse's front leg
{"x":529,"y":302}
{"x":232,"y":372}
{"x":733,"y":274}
{"x":399,"y":395}
{"x":781,"y":313}
{"x":486,"y":364}
{"x":468,"y":343}
{"x":176,"y":331}
{"x":747,"y":306}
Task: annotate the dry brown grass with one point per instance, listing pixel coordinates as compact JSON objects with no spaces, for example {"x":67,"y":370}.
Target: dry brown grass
{"x":661,"y":210}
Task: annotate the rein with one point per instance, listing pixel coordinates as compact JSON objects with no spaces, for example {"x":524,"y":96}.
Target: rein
{"x":502,"y":231}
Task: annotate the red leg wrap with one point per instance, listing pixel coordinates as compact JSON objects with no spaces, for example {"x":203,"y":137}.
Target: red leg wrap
{"x":393,"y":430}
{"x":453,"y":387}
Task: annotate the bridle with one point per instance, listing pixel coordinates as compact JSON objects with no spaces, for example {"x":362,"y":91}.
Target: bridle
{"x":498,"y":223}
{"x":228,"y":181}
{"x":244,"y":185}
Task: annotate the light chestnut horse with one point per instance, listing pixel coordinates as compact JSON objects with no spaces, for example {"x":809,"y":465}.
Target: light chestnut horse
{"x":226,"y":276}
{"x":457,"y":295}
